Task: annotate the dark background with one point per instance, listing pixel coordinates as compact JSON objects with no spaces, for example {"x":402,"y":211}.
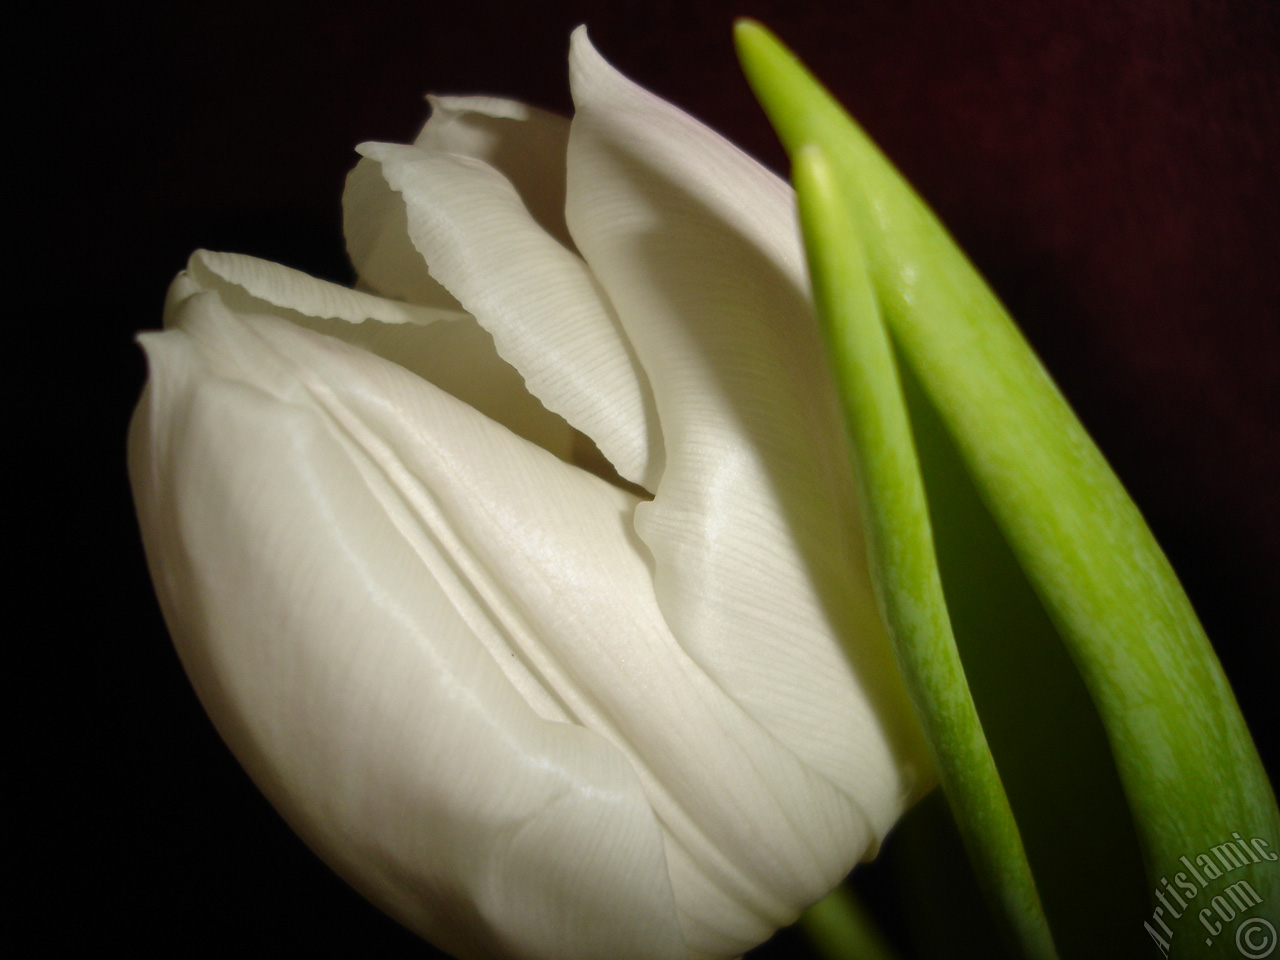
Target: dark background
{"x":1112,"y":169}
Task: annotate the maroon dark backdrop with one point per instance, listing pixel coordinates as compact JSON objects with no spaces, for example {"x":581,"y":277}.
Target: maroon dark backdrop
{"x":1110,"y":167}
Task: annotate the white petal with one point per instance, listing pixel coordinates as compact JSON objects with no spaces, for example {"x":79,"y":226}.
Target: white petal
{"x":446,"y":347}
{"x":526,"y":144}
{"x":537,"y":298}
{"x":335,"y":646}
{"x":373,"y":222}
{"x":294,"y":291}
{"x":437,"y":649}
{"x":759,"y":559}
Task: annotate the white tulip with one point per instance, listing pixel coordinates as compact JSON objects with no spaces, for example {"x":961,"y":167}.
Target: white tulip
{"x":531,"y":707}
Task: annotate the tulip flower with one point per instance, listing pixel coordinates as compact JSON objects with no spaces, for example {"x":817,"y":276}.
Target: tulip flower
{"x":526,"y":580}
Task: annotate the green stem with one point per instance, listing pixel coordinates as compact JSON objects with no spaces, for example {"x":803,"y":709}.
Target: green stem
{"x":841,"y":928}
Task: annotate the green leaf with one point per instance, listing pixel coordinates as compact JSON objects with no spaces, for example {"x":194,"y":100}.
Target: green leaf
{"x":900,"y":543}
{"x":1189,"y":769}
